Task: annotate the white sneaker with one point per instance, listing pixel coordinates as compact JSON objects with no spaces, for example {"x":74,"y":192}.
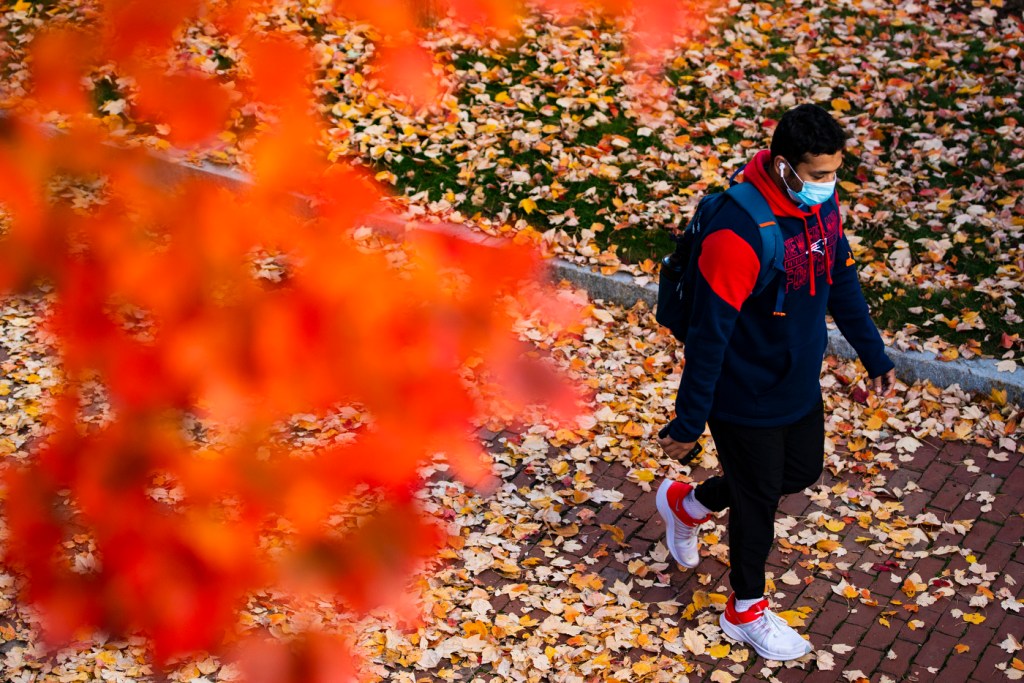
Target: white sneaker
{"x":680,"y":527}
{"x":763,"y":630}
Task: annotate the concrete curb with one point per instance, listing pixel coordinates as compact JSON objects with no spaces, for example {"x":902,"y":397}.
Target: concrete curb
{"x":978,"y":375}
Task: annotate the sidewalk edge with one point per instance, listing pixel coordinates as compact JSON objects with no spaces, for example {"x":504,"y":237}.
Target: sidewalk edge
{"x":976,"y":375}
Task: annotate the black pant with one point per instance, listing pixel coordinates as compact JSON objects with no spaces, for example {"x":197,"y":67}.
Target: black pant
{"x":760,"y":465}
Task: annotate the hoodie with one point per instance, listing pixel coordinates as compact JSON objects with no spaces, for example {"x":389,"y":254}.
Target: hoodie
{"x":745,"y":364}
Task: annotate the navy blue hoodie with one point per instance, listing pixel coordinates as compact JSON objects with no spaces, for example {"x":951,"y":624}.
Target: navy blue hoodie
{"x":744,"y":364}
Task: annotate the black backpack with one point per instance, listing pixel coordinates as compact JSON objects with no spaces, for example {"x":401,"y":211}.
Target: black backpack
{"x":679,"y":269}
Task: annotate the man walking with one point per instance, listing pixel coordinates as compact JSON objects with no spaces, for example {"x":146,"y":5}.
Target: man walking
{"x":753,"y":364}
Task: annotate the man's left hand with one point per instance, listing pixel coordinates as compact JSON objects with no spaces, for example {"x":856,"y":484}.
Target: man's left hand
{"x":884,"y":384}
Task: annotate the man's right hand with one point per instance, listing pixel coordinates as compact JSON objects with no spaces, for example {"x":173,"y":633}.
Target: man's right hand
{"x":676,"y":449}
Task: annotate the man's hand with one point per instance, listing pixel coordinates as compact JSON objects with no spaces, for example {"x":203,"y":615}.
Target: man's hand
{"x":884,"y":384}
{"x":676,"y":449}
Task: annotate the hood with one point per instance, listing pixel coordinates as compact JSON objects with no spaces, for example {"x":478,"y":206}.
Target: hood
{"x":756,"y":172}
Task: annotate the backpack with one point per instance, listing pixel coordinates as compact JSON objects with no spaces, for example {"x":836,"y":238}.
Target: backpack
{"x":679,"y":269}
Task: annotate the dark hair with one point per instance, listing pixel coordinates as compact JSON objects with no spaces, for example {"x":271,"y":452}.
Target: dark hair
{"x":807,"y":129}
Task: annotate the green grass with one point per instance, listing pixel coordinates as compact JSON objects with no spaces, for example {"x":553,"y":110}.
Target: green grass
{"x":938,"y":66}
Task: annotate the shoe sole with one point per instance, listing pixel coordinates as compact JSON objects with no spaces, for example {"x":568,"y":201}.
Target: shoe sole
{"x":737,"y":635}
{"x":668,"y":517}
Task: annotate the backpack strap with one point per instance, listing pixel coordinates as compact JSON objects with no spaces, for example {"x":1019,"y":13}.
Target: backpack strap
{"x":773,"y":248}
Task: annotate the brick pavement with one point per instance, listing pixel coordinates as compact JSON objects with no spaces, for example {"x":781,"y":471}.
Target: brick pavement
{"x":896,"y":639}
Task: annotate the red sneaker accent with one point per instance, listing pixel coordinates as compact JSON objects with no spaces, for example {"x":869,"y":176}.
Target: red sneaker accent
{"x":675,"y":494}
{"x":752,"y":614}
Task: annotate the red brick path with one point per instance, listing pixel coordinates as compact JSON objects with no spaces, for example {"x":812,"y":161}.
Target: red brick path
{"x":895,"y":652}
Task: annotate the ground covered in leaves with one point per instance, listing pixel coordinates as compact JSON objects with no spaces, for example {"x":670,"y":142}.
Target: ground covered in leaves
{"x":549,"y":135}
{"x":904,"y":560}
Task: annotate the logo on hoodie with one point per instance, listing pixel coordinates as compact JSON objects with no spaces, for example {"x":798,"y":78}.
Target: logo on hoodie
{"x":798,"y":255}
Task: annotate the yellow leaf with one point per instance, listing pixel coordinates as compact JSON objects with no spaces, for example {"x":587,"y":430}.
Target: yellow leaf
{"x":642,"y":668}
{"x":719,"y":651}
{"x":960,"y":649}
{"x":645,"y":475}
{"x":107,"y":657}
{"x":848,"y":186}
{"x":793,"y":618}
{"x":569,"y":531}
{"x":528,"y":205}
{"x":632,"y":429}
{"x":974,"y":618}
{"x":475,"y":628}
{"x":508,"y":569}
{"x":850,"y":593}
{"x":618,"y":535}
{"x":883,"y":621}
{"x":1017,"y":664}
{"x":910,"y":588}
{"x":502,"y":97}
{"x":835,"y":525}
{"x":839,"y":104}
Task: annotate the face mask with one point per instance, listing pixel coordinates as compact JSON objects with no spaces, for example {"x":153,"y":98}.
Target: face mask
{"x":812,"y":194}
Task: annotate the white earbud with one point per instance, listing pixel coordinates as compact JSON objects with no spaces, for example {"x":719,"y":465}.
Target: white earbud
{"x":780,"y":169}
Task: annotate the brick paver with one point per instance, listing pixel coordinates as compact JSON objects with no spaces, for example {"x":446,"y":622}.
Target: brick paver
{"x":894,"y":640}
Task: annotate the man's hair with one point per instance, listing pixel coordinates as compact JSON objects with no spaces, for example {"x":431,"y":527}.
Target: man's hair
{"x":807,"y":129}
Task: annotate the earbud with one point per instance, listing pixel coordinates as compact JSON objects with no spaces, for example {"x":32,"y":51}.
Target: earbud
{"x":780,"y":169}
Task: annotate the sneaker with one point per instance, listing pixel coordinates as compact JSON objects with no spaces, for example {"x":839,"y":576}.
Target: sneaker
{"x":763,"y":630}
{"x":680,"y":528}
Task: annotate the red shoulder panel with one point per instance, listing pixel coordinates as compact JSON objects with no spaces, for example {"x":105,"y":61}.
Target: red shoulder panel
{"x":729,"y":265}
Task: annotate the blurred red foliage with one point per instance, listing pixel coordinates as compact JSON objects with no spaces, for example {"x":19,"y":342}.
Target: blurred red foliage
{"x":346,"y":327}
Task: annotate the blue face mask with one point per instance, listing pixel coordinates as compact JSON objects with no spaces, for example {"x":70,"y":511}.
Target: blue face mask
{"x":812,"y":194}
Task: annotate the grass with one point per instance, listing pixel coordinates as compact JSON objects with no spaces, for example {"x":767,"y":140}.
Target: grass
{"x":956,"y":88}
{"x":932,"y":101}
